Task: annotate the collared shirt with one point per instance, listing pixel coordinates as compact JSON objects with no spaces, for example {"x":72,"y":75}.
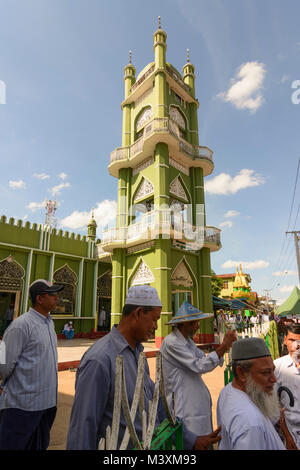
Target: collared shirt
{"x":288,"y":375}
{"x":29,"y":377}
{"x":93,"y":404}
{"x":183,"y":364}
{"x":244,"y":427}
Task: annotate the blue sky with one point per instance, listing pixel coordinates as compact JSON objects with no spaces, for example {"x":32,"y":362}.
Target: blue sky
{"x":62,"y":62}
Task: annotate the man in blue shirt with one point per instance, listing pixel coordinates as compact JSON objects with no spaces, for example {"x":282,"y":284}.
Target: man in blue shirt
{"x":28,"y":392}
{"x":93,"y":404}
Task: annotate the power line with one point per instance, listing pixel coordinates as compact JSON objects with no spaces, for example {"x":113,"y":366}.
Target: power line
{"x":290,"y":215}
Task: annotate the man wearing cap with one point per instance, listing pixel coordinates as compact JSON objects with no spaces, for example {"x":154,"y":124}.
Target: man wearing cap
{"x":248,"y":407}
{"x":183,"y":365}
{"x":287,"y":372}
{"x":29,"y":377}
{"x":93,"y":406}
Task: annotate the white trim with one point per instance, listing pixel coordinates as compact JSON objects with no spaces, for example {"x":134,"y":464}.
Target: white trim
{"x":26,"y":286}
{"x":113,"y":277}
{"x":163,"y":267}
{"x":162,"y":164}
{"x":26,"y":248}
{"x":79,"y":289}
{"x":94,"y":307}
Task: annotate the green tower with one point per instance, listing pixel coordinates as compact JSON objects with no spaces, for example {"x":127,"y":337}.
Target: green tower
{"x":161,"y":237}
{"x":92,"y":228}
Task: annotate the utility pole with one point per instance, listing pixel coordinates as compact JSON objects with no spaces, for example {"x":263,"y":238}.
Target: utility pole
{"x":296,"y":239}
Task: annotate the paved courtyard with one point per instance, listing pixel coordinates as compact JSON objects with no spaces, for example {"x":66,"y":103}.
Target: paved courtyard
{"x":74,"y":349}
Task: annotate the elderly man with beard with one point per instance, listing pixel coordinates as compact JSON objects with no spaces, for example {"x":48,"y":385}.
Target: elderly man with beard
{"x":249,"y":406}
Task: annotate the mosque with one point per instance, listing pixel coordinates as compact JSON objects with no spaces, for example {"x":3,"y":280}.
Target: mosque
{"x":161,"y":237}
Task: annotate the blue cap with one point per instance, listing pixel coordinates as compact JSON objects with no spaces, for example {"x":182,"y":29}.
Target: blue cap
{"x":188,"y":312}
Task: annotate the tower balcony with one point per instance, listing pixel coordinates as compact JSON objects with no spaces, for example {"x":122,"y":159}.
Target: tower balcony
{"x":164,"y":223}
{"x":161,"y":130}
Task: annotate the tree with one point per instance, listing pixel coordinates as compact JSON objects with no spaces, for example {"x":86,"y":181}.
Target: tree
{"x":216,"y":284}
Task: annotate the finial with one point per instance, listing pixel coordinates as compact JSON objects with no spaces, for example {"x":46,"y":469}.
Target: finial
{"x":159,"y":25}
{"x":130,"y":56}
{"x":93,"y":213}
{"x":188,"y":56}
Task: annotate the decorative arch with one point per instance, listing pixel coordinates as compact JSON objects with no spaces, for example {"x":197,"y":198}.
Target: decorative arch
{"x":141,"y":274}
{"x":179,"y":272}
{"x":181,"y":276}
{"x":179,"y":189}
{"x":11,"y":275}
{"x":144,"y":189}
{"x":177,"y":116}
{"x":67,"y":297}
{"x":143,"y":117}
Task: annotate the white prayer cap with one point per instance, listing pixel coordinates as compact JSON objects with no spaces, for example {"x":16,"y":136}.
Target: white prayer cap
{"x":143,"y":296}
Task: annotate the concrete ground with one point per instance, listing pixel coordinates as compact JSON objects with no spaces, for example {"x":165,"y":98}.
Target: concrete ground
{"x":73,"y":350}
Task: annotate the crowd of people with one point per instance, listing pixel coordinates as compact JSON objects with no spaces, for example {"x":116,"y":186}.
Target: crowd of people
{"x":258,"y":410}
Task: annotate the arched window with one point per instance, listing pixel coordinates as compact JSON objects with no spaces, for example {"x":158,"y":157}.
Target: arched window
{"x":144,"y":117}
{"x":176,"y":115}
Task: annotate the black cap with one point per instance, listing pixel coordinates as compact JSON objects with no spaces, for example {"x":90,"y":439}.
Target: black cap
{"x":41,"y":286}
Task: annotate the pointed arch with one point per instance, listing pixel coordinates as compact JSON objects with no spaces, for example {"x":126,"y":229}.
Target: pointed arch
{"x":11,"y":274}
{"x":141,"y":274}
{"x":177,"y":115}
{"x":67,"y":297}
{"x":144,"y":189}
{"x":178,"y":188}
{"x":144,"y":116}
{"x":178,"y":275}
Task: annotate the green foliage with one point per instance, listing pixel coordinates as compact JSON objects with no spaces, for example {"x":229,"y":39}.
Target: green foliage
{"x":216,"y":284}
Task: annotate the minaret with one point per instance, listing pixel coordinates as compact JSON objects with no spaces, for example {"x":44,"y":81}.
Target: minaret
{"x":92,"y":228}
{"x":159,"y":166}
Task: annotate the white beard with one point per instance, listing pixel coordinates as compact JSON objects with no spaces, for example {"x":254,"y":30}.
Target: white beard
{"x":267,"y":403}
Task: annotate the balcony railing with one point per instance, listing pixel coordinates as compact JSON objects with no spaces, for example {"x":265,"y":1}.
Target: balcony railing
{"x":163,"y":125}
{"x":164,"y":222}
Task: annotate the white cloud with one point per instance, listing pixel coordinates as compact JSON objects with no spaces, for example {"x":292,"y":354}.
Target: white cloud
{"x":284,"y":273}
{"x":41,"y":176}
{"x":286,"y":288}
{"x":232,"y":213}
{"x":55,"y":190}
{"x":226,"y":184}
{"x":244,"y":92}
{"x":63,"y":176}
{"x":35,"y":206}
{"x":17,"y":184}
{"x":228,"y":223}
{"x":258,"y":264}
{"x":104,"y":214}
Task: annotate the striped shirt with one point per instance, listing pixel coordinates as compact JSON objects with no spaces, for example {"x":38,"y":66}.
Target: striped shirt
{"x":29,"y":377}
